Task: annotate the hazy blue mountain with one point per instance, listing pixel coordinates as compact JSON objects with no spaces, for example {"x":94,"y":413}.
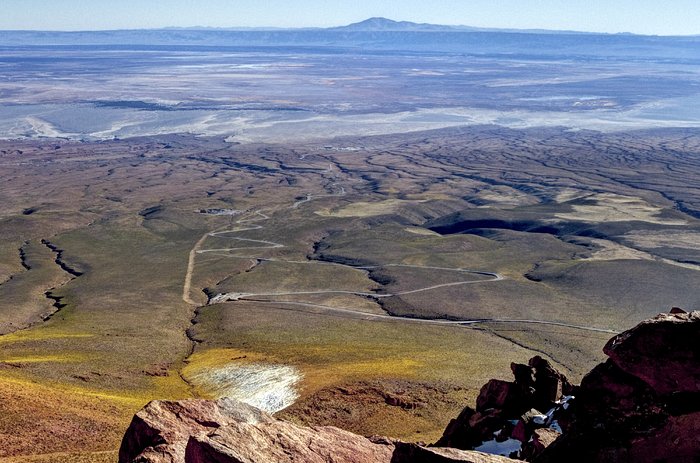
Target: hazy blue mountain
{"x":384,"y":24}
{"x":381,"y":34}
{"x":378,"y":24}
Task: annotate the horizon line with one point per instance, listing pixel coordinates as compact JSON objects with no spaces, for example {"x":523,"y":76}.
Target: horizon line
{"x":456,"y":28}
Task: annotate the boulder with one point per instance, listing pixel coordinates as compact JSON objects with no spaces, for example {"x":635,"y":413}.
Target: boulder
{"x":459,"y":432}
{"x":495,"y":394}
{"x":505,"y":409}
{"x":537,"y":385}
{"x":471,"y":428}
{"x":611,"y":396}
{"x":643,"y":404}
{"x":541,"y":439}
{"x":160,"y":431}
{"x":283,"y":442}
{"x":523,"y":386}
{"x":664,"y":352}
{"x":550,"y":385}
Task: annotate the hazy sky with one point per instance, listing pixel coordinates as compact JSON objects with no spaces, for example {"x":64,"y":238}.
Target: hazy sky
{"x":666,"y":17}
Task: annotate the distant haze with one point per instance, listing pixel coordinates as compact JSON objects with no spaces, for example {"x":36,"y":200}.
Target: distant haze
{"x":671,"y":17}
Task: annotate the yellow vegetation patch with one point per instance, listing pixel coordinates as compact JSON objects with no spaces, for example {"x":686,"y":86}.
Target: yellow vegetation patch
{"x":504,"y":196}
{"x":9,"y":377}
{"x":216,"y":358}
{"x":609,"y":207}
{"x":170,"y":387}
{"x":569,"y":194}
{"x":320,"y":365}
{"x":614,"y":251}
{"x":59,"y":418}
{"x":39,"y":335}
{"x":319,"y":376}
{"x":422,"y":197}
{"x":364,"y":209}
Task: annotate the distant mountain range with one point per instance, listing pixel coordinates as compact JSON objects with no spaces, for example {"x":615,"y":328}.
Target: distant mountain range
{"x":383,"y":24}
{"x":376,"y":24}
{"x":380,"y":35}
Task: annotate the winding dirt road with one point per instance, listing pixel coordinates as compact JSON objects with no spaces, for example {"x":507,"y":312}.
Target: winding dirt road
{"x":437,"y":321}
{"x":265,"y":244}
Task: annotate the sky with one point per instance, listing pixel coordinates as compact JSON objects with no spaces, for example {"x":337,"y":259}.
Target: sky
{"x":656,"y":17}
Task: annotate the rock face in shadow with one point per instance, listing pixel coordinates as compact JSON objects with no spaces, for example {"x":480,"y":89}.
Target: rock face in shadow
{"x":508,"y":414}
{"x":228,"y":431}
{"x":643,"y":404}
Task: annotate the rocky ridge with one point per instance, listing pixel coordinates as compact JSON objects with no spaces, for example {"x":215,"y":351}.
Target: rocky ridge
{"x":228,"y":431}
{"x":641,"y":405}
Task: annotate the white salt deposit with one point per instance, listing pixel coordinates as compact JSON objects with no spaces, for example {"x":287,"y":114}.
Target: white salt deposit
{"x":268,"y":387}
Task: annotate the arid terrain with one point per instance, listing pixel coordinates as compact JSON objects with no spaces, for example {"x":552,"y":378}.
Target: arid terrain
{"x":365,"y":257}
{"x":408,"y":266}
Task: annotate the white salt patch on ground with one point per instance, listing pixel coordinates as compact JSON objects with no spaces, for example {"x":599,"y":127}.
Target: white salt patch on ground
{"x":285,"y":126}
{"x":35,"y":127}
{"x":268,"y":387}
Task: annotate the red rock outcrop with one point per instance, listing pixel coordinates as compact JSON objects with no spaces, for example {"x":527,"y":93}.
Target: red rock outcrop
{"x":160,"y":431}
{"x":664,"y":352}
{"x":227,"y":431}
{"x":283,"y":442}
{"x":643,"y":404}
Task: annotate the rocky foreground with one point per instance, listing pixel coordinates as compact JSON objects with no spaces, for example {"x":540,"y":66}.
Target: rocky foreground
{"x":641,"y":405}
